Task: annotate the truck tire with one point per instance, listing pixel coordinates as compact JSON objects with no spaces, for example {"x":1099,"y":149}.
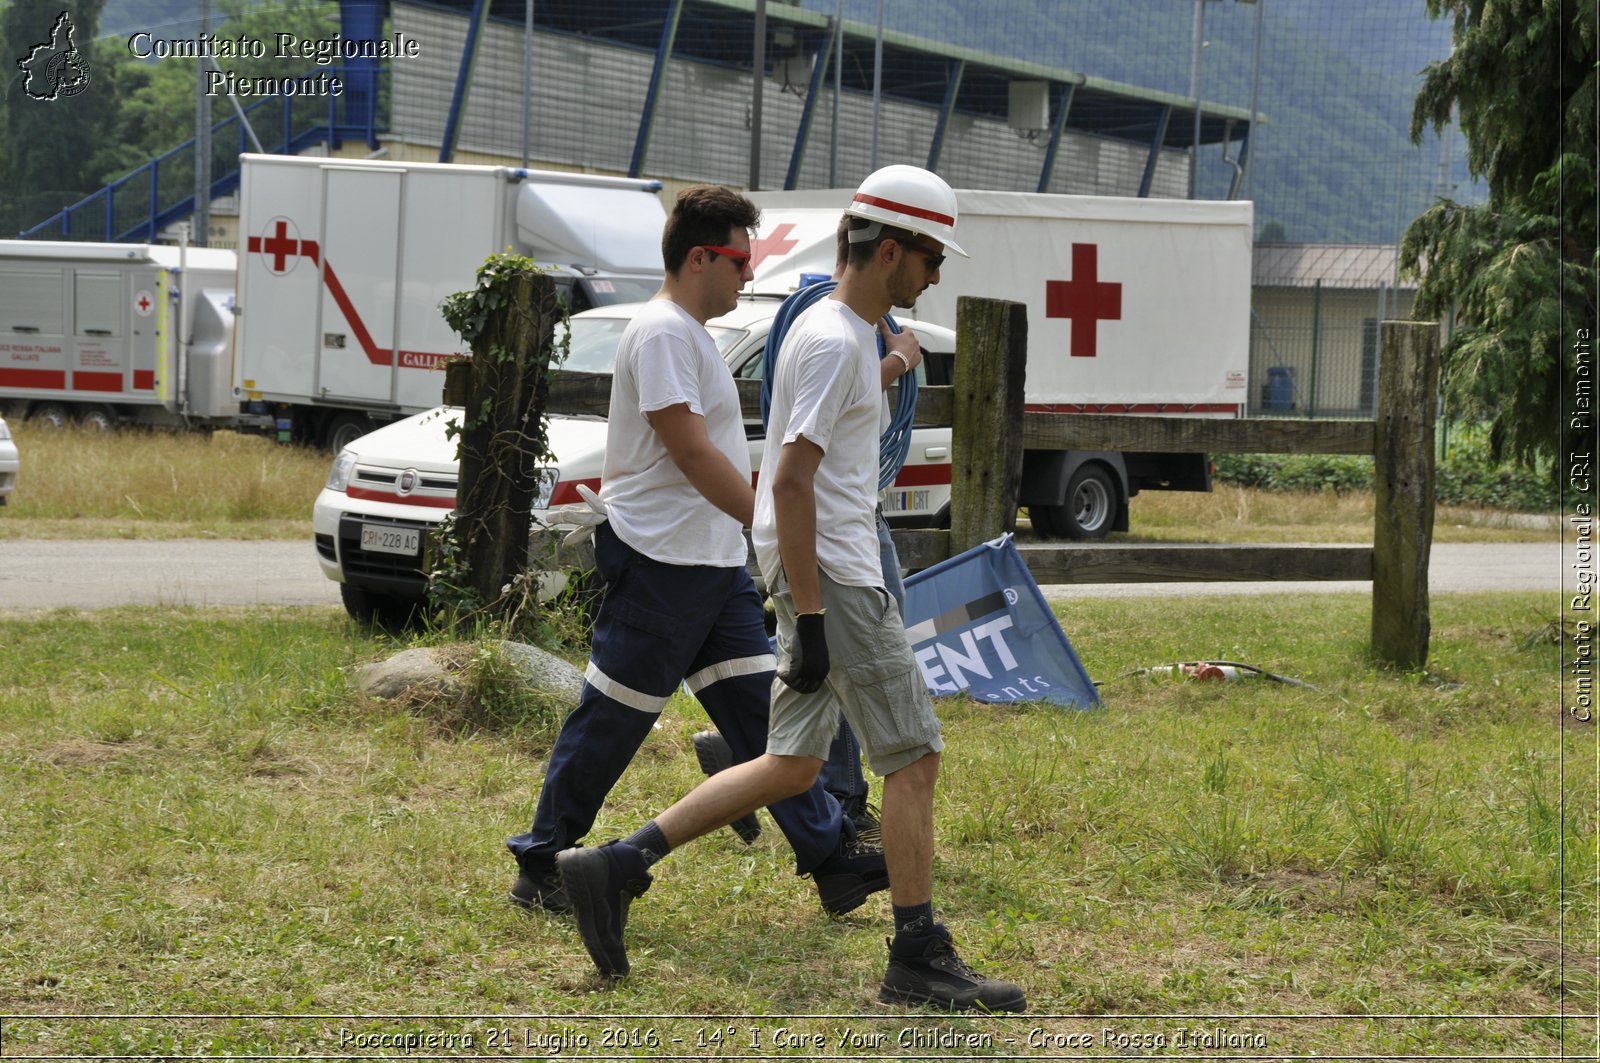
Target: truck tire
{"x":97,"y":419}
{"x":50,"y":415}
{"x":382,"y":611}
{"x":1089,"y":511}
{"x":344,"y":429}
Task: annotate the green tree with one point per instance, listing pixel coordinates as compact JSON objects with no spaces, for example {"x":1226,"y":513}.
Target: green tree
{"x":48,"y":141}
{"x":157,"y":96}
{"x":1518,"y":272}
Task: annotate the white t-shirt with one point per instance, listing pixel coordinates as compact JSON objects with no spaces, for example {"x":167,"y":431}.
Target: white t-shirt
{"x":665,"y":358}
{"x":826,"y":388}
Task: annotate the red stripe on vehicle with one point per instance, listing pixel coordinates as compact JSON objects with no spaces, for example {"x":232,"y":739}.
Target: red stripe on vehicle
{"x":33,"y":378}
{"x":905,"y":208}
{"x":97,"y":381}
{"x":144,"y":380}
{"x":367,"y":494}
{"x":566,"y":491}
{"x":923,"y":475}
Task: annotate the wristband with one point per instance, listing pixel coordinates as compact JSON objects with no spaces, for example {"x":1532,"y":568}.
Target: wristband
{"x":903,"y":360}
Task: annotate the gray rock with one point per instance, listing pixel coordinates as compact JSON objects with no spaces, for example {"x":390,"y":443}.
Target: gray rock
{"x":419,"y":669}
{"x":429,"y":671}
{"x":544,"y":672}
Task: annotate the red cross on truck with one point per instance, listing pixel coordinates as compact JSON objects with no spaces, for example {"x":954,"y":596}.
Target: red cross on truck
{"x":1085,"y":300}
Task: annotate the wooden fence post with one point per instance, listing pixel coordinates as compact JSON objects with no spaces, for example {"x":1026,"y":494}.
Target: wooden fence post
{"x":502,"y":442}
{"x":1408,"y":388}
{"x":986,"y":428}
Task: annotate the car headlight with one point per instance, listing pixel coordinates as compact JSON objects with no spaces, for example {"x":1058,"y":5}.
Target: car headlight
{"x":343,"y":466}
{"x":548,"y":478}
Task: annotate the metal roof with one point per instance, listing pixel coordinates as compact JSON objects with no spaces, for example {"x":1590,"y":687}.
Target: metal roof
{"x":1357,"y":266}
{"x":915,"y":69}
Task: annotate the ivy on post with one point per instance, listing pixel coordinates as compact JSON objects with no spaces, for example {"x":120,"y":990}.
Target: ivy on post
{"x":479,"y":555}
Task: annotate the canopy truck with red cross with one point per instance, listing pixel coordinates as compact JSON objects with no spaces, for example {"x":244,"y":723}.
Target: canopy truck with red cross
{"x":343,"y":265}
{"x":105,"y":334}
{"x":1135,"y":306}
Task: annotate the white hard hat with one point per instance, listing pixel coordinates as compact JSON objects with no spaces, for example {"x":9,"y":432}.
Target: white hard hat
{"x":907,"y":197}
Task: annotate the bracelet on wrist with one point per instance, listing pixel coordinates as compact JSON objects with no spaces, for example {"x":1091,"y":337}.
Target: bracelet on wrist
{"x":903,"y":360}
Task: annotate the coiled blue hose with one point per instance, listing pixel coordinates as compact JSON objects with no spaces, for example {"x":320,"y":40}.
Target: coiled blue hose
{"x":895,"y":443}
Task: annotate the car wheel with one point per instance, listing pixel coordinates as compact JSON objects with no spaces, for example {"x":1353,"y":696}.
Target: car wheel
{"x":383,"y":611}
{"x":50,"y":415}
{"x":1089,"y":511}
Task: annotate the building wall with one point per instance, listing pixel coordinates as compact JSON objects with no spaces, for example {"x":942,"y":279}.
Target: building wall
{"x":589,"y":96}
{"x":1319,"y":358}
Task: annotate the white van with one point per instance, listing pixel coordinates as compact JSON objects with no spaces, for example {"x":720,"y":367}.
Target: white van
{"x":389,"y":487}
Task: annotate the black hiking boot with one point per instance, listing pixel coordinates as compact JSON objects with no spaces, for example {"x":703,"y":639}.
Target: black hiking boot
{"x":711,"y":749}
{"x":845,"y":879}
{"x":926,"y":970}
{"x":539,"y":889}
{"x":601,"y":883}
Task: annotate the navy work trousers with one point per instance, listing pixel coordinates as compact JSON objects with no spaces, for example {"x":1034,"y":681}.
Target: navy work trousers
{"x":660,"y":626}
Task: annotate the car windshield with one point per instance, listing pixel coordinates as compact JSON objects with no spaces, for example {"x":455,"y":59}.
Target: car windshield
{"x":595,"y":339}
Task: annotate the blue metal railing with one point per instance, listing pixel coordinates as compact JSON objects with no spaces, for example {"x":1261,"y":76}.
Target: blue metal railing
{"x":135,"y":208}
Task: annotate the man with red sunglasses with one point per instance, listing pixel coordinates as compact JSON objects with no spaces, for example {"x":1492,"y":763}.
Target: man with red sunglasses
{"x":680,"y":607}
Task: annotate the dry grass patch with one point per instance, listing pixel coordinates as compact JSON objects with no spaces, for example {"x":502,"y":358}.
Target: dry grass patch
{"x":121,"y":482}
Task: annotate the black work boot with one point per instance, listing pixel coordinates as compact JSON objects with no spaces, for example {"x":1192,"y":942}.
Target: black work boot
{"x":601,"y":883}
{"x":714,"y":755}
{"x":924,"y":969}
{"x":845,"y":879}
{"x":539,"y":887}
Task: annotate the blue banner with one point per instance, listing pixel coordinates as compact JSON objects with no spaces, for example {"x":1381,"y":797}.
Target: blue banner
{"x":979,"y":625}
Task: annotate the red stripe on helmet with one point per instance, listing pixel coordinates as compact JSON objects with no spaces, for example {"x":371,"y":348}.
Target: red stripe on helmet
{"x":904,"y":208}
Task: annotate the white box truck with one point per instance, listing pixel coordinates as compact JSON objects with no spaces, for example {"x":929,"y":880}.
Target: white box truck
{"x":343,"y":265}
{"x":103,"y":334}
{"x":1138,"y":306}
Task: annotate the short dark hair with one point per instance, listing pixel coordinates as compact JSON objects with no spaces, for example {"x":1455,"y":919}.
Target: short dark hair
{"x":861,"y":253}
{"x":704,"y":214}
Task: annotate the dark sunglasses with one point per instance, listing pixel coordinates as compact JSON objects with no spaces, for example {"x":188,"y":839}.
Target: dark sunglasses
{"x":737,"y":257}
{"x":935,"y":260}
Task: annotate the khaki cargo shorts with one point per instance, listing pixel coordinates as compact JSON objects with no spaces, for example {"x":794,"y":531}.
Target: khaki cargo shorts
{"x":873,"y":680}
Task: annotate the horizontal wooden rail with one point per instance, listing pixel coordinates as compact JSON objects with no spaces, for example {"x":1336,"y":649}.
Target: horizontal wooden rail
{"x":1185,"y":563}
{"x":1189,"y":435}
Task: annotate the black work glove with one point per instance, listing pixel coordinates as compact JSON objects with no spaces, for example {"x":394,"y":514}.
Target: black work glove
{"x":808,"y":662}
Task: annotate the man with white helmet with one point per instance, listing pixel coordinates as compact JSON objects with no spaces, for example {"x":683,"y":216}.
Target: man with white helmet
{"x":842,"y":645}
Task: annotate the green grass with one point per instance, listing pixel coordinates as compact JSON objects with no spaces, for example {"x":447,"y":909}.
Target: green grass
{"x":203,"y":818}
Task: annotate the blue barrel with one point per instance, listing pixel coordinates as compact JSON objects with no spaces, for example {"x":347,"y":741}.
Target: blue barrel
{"x":1280,"y":387}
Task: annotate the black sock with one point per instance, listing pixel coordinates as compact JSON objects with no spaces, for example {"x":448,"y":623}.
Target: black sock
{"x":650,"y":842}
{"x":913,"y":920}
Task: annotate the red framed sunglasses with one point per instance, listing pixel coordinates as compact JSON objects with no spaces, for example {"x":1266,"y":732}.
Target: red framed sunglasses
{"x":737,"y":257}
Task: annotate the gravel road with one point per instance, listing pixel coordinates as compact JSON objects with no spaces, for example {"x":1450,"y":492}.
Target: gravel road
{"x":95,"y":574}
